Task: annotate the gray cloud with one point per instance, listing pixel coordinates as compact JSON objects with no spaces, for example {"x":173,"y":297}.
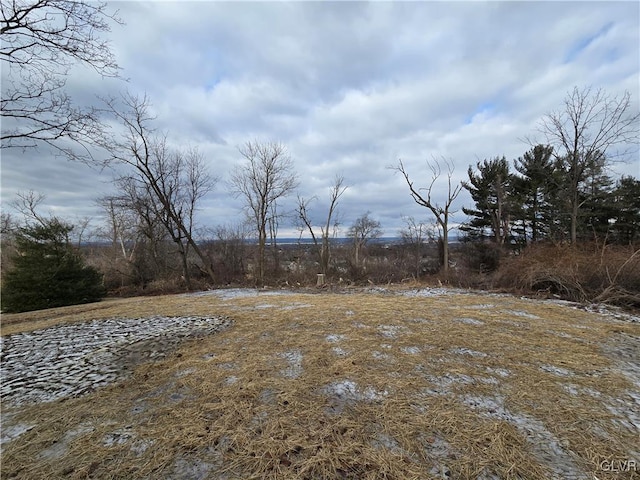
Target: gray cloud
{"x":349,"y":87}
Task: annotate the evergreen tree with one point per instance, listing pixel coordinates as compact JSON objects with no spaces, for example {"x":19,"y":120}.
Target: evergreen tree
{"x":47,"y":272}
{"x":625,"y":225}
{"x":490,"y":189}
{"x":596,"y":207}
{"x":534,"y":189}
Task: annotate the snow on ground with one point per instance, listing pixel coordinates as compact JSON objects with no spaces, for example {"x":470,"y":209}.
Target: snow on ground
{"x":69,"y":360}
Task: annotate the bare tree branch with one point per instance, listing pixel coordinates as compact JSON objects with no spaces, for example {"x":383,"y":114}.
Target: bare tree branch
{"x":592,"y":127}
{"x":41,"y":41}
{"x":265,"y":177}
{"x":323,"y":245}
{"x":440,"y":212}
{"x":171,"y":182}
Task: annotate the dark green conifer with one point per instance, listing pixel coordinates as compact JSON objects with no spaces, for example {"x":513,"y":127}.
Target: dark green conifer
{"x":47,"y":271}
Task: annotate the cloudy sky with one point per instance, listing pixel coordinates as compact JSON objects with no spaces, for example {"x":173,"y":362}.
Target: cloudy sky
{"x":350,"y":88}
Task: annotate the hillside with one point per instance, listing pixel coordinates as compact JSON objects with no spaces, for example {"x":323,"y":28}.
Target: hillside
{"x":378,"y":383}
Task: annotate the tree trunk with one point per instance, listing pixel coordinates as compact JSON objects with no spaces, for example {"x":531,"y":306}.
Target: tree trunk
{"x":185,"y":265}
{"x":445,"y":252}
{"x":262,"y":241}
{"x":574,"y":217}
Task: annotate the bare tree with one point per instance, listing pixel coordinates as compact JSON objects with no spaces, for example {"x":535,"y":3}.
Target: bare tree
{"x":121,"y":225}
{"x":7,"y":224}
{"x":125,"y":229}
{"x":323,"y":245}
{"x":148,"y":238}
{"x":230,"y":249}
{"x":27,"y":205}
{"x":41,"y":41}
{"x":587,"y":131}
{"x":414,"y":236}
{"x":363,"y":229}
{"x":171,"y":182}
{"x":441,"y":212}
{"x":265,"y":177}
{"x":8,"y":229}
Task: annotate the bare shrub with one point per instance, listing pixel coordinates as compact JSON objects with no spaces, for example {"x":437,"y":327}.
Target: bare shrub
{"x":582,"y":273}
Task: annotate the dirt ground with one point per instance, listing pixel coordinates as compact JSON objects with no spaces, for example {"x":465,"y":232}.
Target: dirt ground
{"x":378,"y":383}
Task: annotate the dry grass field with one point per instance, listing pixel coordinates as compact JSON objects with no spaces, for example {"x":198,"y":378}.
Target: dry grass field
{"x":377,"y":384}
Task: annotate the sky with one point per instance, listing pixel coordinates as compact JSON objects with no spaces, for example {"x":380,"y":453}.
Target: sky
{"x":350,"y":88}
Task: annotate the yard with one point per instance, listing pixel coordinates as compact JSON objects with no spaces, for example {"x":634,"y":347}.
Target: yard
{"x":368,"y":383}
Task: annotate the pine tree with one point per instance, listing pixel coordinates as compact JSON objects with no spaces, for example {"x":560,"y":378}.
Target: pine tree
{"x":625,"y":226}
{"x":47,"y":272}
{"x":596,"y":209}
{"x":490,"y":189}
{"x":534,"y":189}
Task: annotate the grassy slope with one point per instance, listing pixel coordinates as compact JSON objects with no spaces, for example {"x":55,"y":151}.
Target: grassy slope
{"x":348,"y":386}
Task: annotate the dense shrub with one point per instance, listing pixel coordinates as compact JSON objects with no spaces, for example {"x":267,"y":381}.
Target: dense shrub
{"x":481,"y":256}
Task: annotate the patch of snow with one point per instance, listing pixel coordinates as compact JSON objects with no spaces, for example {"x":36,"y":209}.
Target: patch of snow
{"x":441,"y":451}
{"x":410,"y":350}
{"x":546,"y":447}
{"x":118,"y":437}
{"x":140,"y":446}
{"x":469,"y":321}
{"x":12,"y":432}
{"x":444,"y":383}
{"x":571,"y":389}
{"x":391,"y":331}
{"x":347,"y":390}
{"x":296,"y":305}
{"x":59,"y":448}
{"x":227,"y":366}
{"x":73,"y":359}
{"x":376,"y":290}
{"x":333,"y":338}
{"x":563,"y":335}
{"x":294,"y":358}
{"x":343,"y":389}
{"x":419,"y":320}
{"x":626,"y":410}
{"x":234,"y":293}
{"x":610,"y":311}
{"x":191,"y":469}
{"x":501,"y":372}
{"x":521,"y":314}
{"x":231,"y":380}
{"x":185,"y":372}
{"x":384,"y":440}
{"x":380,"y":356}
{"x":467,"y":351}
{"x":340,"y":351}
{"x":433,"y":292}
{"x":592,"y":392}
{"x":489,"y":380}
{"x":561,"y":372}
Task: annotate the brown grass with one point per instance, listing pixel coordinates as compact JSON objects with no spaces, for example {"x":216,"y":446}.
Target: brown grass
{"x":256,"y":401}
{"x":583,"y":273}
